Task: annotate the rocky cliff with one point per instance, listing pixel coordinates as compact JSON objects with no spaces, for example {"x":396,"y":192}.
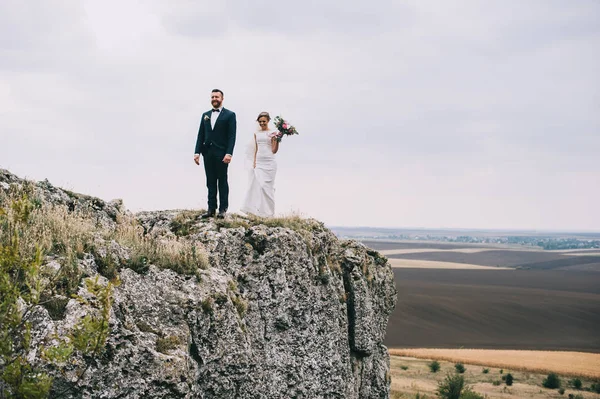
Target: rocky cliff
{"x":277,"y":308}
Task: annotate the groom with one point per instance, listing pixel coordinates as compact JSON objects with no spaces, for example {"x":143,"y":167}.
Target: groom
{"x":216,"y":139}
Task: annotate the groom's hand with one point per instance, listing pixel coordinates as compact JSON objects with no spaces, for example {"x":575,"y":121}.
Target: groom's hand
{"x":197,"y":159}
{"x":227,"y":158}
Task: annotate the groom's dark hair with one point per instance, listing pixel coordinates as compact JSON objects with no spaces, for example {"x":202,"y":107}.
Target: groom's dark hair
{"x":218,"y":91}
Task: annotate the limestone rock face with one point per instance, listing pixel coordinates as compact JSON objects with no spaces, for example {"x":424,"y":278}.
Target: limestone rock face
{"x":279,"y":313}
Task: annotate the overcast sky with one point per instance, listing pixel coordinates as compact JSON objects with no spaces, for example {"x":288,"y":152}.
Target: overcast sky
{"x":419,"y":113}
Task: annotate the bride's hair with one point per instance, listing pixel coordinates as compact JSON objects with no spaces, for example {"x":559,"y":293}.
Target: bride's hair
{"x":266,"y":114}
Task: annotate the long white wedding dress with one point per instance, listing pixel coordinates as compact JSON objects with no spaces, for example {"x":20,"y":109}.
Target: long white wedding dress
{"x":260,"y":197}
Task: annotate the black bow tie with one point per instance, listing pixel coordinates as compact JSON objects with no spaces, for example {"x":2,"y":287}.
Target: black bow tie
{"x":216,"y":110}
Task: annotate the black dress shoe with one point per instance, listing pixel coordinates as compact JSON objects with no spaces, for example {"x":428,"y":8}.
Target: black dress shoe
{"x":209,"y":214}
{"x":221,"y":214}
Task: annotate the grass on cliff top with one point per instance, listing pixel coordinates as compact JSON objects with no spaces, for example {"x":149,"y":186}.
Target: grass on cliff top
{"x":188,"y":221}
{"x":56,"y":231}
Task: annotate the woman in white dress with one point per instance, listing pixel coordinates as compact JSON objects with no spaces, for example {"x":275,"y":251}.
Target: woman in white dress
{"x":260,"y":198}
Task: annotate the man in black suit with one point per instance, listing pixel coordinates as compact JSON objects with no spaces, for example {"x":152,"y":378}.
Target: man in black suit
{"x":216,"y":139}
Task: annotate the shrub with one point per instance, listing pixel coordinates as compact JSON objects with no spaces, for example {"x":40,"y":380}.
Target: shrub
{"x":576,"y":383}
{"x":501,"y":371}
{"x":434,"y":366}
{"x":460,"y":368}
{"x":595,"y":387}
{"x":485,"y":371}
{"x":561,"y":391}
{"x":404,"y":367}
{"x":509,"y":379}
{"x":496,"y":383}
{"x":552,"y":381}
{"x":578,"y":396}
{"x":28,"y":232}
{"x":470,"y":394}
{"x":451,"y":387}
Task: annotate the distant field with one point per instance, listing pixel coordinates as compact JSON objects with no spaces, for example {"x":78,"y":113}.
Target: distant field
{"x":576,"y":364}
{"x":506,"y":258}
{"x":426,"y":264}
{"x":411,"y":376}
{"x":392,"y":245}
{"x":482,"y":255}
{"x":496,"y":309}
{"x":388,"y":252}
{"x":453,"y":295}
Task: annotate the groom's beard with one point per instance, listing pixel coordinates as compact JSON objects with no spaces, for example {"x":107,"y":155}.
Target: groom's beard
{"x":216,"y":104}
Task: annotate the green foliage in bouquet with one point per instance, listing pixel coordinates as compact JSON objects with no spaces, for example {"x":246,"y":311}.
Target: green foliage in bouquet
{"x":285,"y":128}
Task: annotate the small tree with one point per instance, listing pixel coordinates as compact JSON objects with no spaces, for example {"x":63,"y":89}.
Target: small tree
{"x":434,"y":366}
{"x":460,"y":368}
{"x":509,"y":379}
{"x":485,"y":371}
{"x":576,"y":382}
{"x":451,"y":387}
{"x":552,"y":381}
{"x":470,"y":394}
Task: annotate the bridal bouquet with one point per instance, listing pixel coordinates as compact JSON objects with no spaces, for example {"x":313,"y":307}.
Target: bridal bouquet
{"x":284,"y":128}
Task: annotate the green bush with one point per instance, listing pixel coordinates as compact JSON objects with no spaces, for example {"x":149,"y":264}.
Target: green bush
{"x":28,"y":232}
{"x":576,"y":383}
{"x":460,"y":368}
{"x":404,"y":367}
{"x":509,"y":379}
{"x":561,"y":391}
{"x":434,"y":366}
{"x":552,"y":381}
{"x":595,"y":387}
{"x":470,"y":394}
{"x":451,"y":387}
{"x":485,"y":371}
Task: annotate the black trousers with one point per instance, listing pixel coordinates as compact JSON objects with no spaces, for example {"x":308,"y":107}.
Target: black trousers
{"x":216,"y":179}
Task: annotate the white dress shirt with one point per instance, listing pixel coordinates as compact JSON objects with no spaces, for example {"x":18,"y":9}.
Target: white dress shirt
{"x":214,"y":116}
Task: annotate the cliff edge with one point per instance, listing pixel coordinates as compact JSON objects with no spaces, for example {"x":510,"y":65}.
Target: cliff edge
{"x":236,"y":308}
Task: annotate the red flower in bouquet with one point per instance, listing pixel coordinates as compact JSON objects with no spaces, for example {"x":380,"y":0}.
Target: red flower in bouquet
{"x":284,"y":127}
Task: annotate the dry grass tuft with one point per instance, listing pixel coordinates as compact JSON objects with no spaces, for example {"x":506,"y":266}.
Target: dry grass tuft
{"x":180,"y":255}
{"x":70,"y":235}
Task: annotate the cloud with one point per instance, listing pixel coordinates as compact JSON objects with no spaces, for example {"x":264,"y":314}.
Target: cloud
{"x":311,"y":17}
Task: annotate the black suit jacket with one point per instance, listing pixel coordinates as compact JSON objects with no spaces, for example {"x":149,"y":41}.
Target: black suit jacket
{"x":221,"y":138}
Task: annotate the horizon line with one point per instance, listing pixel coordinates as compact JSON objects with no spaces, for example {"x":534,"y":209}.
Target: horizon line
{"x":469,"y":229}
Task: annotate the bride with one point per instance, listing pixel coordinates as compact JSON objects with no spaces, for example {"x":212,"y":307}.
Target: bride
{"x":260,"y":197}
